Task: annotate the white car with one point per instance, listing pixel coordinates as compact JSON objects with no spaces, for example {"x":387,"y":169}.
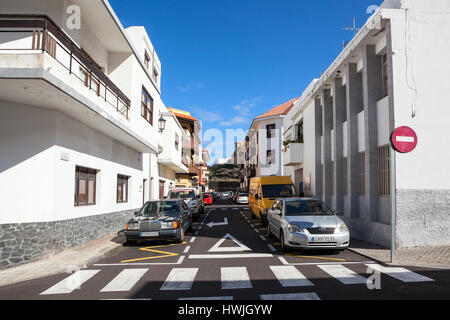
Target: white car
{"x":306,"y":223}
{"x":242,"y":198}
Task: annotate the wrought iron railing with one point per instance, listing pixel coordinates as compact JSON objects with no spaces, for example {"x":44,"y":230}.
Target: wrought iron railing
{"x":48,"y":37}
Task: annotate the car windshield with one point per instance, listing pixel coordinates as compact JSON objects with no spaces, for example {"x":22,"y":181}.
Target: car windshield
{"x":278,"y":190}
{"x":160,"y":208}
{"x":182,"y":194}
{"x":307,"y":208}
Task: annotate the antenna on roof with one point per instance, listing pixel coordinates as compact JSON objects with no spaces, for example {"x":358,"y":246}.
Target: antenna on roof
{"x":352,"y":28}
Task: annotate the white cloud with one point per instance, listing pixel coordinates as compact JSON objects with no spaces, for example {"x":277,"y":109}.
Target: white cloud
{"x":206,"y":115}
{"x":234,"y":120}
{"x":190,"y":86}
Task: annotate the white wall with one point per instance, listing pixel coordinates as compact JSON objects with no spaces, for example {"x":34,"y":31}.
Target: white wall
{"x":421,"y":85}
{"x":37,"y":185}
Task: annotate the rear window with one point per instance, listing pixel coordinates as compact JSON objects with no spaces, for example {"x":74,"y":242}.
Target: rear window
{"x":182,"y":194}
{"x":278,"y":190}
{"x":243,"y":194}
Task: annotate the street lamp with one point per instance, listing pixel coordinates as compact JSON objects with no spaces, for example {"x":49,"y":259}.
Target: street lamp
{"x":161,"y":124}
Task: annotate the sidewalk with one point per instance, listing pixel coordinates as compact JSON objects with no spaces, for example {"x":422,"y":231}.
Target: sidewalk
{"x":432,"y":257}
{"x":66,"y":261}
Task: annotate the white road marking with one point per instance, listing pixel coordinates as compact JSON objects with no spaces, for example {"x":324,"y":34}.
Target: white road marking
{"x":213,"y":224}
{"x":192,"y":240}
{"x":235,"y":278}
{"x":180,"y":279}
{"x":230,"y":256}
{"x":290,"y":296}
{"x":343,"y":274}
{"x":72,"y":282}
{"x":262,"y":237}
{"x":289,"y":276}
{"x":256,"y":230}
{"x":125,"y":280}
{"x":401,"y":274}
{"x":208,"y":298}
{"x":186,"y":249}
{"x":283,"y":261}
{"x":271,"y":247}
{"x":251,"y":225}
{"x":216,"y":247}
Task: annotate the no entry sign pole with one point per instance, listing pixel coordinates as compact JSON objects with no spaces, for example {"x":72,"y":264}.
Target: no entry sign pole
{"x":403,"y":140}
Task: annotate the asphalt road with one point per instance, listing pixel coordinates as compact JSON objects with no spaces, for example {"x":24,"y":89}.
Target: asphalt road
{"x":232,"y":259}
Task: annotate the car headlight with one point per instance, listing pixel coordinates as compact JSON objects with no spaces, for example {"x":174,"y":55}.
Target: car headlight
{"x":294,"y":228}
{"x":343,"y":228}
{"x":133,"y":226}
{"x":169,"y":225}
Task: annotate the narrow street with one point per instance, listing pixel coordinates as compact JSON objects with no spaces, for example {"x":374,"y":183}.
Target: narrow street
{"x":228,"y":257}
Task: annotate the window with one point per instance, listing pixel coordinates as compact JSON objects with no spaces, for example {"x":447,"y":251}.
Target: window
{"x":85,"y":184}
{"x":146,"y":60}
{"x":177,"y":142}
{"x":270,"y":130}
{"x":385,"y":75}
{"x":95,"y":85}
{"x":155,"y":75}
{"x":384,"y":174}
{"x":147,"y":106}
{"x":269,"y":159}
{"x":362,"y":173}
{"x":84,"y":76}
{"x":122,"y":188}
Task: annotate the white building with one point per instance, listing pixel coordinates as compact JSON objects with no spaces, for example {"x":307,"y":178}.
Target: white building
{"x":263,"y":144}
{"x":80,"y":148}
{"x":393,"y":73}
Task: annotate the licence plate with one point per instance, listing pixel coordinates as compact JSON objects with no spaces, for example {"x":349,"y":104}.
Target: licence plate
{"x":149,"y":234}
{"x":322,"y":239}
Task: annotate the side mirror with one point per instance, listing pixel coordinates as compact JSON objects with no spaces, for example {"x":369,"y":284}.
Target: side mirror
{"x":165,"y":197}
{"x":199,"y":197}
{"x":136,"y":213}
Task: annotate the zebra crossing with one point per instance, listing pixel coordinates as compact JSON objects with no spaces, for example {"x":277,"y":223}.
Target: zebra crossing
{"x":234,"y":278}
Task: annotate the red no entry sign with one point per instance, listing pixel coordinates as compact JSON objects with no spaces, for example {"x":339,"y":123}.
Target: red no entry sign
{"x":404,"y":139}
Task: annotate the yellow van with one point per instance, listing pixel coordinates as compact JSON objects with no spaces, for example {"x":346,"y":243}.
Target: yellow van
{"x":264,"y":190}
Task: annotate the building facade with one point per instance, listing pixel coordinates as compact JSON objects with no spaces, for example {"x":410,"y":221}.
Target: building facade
{"x":391,"y":74}
{"x":263,"y":143}
{"x":79,"y":139}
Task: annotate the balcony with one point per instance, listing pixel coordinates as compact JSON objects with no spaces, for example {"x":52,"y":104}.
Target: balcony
{"x":21,"y":34}
{"x":293,"y":154}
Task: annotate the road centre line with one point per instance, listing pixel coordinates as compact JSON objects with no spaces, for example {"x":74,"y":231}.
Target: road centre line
{"x":262,"y":237}
{"x":271,"y":247}
{"x":192,"y":240}
{"x":186,"y":249}
{"x":256,"y":230}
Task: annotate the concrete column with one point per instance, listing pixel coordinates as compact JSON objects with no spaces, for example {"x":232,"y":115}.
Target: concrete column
{"x":372,"y":91}
{"x":317,"y":148}
{"x":339,"y":116}
{"x":327,"y":124}
{"x":354,"y":106}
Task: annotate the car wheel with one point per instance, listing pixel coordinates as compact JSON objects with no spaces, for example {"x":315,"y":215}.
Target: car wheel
{"x":180,"y":237}
{"x":284,"y":248}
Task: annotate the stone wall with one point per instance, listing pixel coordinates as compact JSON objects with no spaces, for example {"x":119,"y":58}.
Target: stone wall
{"x":25,"y":242}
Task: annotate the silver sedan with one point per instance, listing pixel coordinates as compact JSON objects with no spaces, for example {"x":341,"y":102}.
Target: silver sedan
{"x":306,"y":223}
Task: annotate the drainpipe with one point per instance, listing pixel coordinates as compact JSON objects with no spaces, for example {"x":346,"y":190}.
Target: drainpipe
{"x":393,"y":204}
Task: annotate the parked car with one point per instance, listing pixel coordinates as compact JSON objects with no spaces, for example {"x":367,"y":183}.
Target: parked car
{"x":264,"y":190}
{"x":207,"y":198}
{"x":192,"y":197}
{"x":160,"y":219}
{"x":306,"y":223}
{"x":241,"y":198}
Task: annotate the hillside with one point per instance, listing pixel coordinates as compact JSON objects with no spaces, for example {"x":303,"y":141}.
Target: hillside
{"x":224,"y":172}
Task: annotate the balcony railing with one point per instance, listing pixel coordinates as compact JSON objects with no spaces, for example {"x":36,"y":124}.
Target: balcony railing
{"x":48,"y":37}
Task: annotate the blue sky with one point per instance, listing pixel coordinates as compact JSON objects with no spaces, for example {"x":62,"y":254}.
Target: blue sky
{"x":228,"y":61}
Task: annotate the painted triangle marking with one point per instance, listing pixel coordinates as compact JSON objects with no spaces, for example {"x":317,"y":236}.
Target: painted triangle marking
{"x":216,"y":247}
